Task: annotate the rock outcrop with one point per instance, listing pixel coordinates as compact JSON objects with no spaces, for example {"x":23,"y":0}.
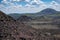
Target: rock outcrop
{"x":24,"y":18}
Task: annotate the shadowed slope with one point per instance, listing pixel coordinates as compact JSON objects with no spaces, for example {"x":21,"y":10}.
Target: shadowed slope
{"x":5,"y":17}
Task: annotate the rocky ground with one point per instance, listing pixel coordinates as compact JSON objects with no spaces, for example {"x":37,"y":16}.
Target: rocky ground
{"x":11,"y":29}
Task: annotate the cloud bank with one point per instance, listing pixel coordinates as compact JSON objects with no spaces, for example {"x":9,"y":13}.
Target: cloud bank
{"x":31,"y":6}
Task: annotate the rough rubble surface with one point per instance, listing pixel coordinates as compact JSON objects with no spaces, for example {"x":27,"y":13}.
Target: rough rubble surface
{"x":11,"y":29}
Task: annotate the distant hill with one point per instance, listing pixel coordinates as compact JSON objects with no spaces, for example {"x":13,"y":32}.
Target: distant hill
{"x":47,"y":11}
{"x":15,"y":15}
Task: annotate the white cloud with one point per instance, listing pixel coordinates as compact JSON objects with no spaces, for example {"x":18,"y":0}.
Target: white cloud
{"x":2,"y":8}
{"x":55,"y":5}
{"x":16,"y":0}
{"x":34,"y":1}
{"x":18,"y":9}
{"x":39,"y":3}
{"x":4,"y":0}
{"x":58,"y":1}
{"x":27,"y":5}
{"x":27,"y":0}
{"x":28,"y":8}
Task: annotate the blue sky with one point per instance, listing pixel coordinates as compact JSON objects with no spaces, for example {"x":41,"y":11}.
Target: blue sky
{"x":28,"y":6}
{"x":44,"y":0}
{"x":47,"y":1}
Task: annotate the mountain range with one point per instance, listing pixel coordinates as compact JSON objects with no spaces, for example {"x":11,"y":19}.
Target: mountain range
{"x":46,"y":12}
